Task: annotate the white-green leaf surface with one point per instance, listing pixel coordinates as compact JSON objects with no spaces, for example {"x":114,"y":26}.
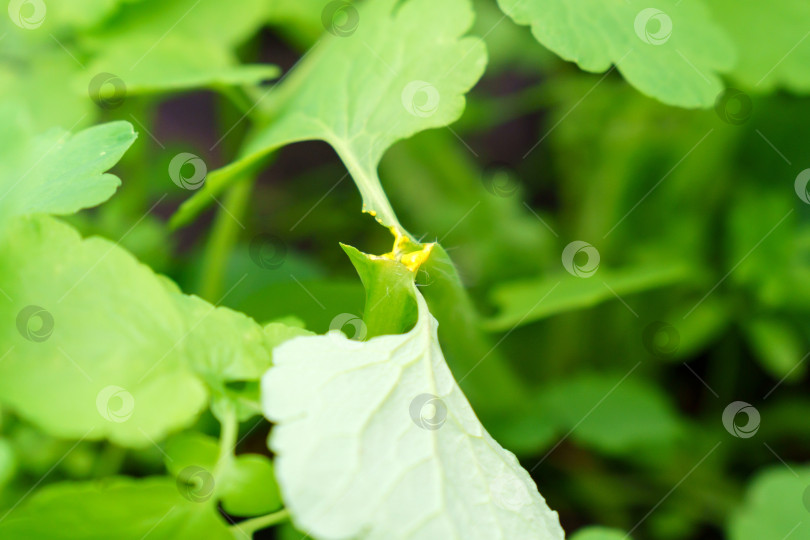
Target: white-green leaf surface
{"x":404,"y":69}
{"x":670,"y":50}
{"x":375,"y":440}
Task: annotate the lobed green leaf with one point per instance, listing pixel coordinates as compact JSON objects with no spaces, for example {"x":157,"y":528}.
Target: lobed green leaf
{"x":673,"y":51}
{"x":60,"y":173}
{"x":404,"y":69}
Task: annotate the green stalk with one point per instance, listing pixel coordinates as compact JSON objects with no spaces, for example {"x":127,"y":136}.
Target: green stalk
{"x":224,"y":234}
{"x":390,"y":306}
{"x":227,"y":441}
{"x":250,"y":526}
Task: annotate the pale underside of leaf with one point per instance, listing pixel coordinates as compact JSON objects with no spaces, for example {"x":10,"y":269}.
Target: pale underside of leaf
{"x":353,"y":462}
{"x":679,"y":67}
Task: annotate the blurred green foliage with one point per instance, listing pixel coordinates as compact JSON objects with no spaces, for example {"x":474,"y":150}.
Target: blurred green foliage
{"x":611,"y":389}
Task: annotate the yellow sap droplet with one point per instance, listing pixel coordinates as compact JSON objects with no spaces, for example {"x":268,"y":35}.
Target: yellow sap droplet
{"x":415,"y":259}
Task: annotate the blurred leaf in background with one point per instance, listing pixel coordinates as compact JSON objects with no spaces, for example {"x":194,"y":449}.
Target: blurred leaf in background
{"x":620,"y":195}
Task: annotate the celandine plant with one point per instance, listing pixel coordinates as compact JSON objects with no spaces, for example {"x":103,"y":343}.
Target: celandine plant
{"x":372,"y":436}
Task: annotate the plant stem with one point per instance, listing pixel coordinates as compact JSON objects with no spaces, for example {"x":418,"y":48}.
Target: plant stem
{"x":250,"y":526}
{"x":224,"y":234}
{"x":227,"y":443}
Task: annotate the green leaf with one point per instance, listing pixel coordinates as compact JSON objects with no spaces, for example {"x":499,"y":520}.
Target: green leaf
{"x":672,"y":51}
{"x":249,"y":487}
{"x":155,"y":46}
{"x":299,"y":21}
{"x":599,"y":533}
{"x":773,"y":44}
{"x":779,"y":348}
{"x":59,"y":173}
{"x":8,"y":462}
{"x":277,"y":333}
{"x":776,"y":505}
{"x":190,"y":449}
{"x":522,"y":302}
{"x":81,"y":13}
{"x":118,"y":370}
{"x":247,"y":484}
{"x":130,"y":367}
{"x":703,"y":327}
{"x":776,"y":271}
{"x":120,"y":508}
{"x":226,"y":24}
{"x":227,"y":345}
{"x":405,"y":69}
{"x":238,"y":357}
{"x":611,"y":412}
{"x":230,"y":352}
{"x":34,"y":89}
{"x":384,"y":421}
{"x":65,"y":17}
{"x":178,"y":63}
